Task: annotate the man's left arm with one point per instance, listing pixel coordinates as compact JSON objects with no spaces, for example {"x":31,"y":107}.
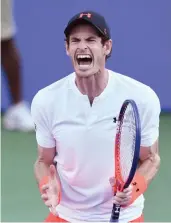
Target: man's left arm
{"x":149,"y":151}
{"x":149,"y":162}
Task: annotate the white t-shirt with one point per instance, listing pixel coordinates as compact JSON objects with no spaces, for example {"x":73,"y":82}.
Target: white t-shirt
{"x":84,"y":139}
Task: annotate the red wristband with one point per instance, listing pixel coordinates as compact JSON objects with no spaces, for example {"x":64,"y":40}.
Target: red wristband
{"x":139,"y":186}
{"x":44,"y":180}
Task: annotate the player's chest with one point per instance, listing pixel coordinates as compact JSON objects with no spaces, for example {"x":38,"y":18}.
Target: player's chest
{"x":93,"y":135}
{"x":95,"y":122}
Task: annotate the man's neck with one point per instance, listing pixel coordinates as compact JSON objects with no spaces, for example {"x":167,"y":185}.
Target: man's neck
{"x":94,"y":85}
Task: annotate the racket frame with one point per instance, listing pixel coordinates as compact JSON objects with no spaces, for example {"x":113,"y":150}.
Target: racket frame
{"x":120,"y":185}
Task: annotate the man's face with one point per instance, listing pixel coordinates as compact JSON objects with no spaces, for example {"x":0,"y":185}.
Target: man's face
{"x":86,"y":50}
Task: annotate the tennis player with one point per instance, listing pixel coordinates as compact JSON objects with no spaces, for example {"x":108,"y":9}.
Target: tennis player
{"x":75,"y":121}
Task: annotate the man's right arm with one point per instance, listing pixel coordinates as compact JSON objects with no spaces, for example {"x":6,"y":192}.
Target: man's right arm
{"x":44,"y":160}
{"x":44,"y":169}
{"x":45,"y":140}
{"x":47,"y":178}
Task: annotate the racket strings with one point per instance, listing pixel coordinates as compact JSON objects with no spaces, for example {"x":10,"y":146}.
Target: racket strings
{"x":127,"y":142}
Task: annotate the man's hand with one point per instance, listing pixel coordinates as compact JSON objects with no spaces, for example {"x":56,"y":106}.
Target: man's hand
{"x":51,"y":191}
{"x":122,"y":198}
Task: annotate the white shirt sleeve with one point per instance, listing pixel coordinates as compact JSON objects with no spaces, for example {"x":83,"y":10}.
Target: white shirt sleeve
{"x":150,"y":118}
{"x":39,"y":114}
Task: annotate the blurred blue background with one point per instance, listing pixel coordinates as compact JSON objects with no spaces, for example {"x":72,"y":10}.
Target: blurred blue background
{"x":141,"y":32}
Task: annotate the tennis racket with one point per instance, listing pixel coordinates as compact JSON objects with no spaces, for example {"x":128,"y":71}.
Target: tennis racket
{"x":127,"y":148}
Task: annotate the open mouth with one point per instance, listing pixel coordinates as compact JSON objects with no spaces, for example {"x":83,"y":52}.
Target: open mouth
{"x":84,"y":60}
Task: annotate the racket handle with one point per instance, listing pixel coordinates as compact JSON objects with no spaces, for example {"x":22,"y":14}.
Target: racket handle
{"x":115,"y":213}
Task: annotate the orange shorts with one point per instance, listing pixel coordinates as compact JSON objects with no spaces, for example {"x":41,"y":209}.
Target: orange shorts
{"x":52,"y":218}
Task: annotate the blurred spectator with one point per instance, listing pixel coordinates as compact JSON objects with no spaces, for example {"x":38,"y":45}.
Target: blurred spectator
{"x":17,"y":116}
